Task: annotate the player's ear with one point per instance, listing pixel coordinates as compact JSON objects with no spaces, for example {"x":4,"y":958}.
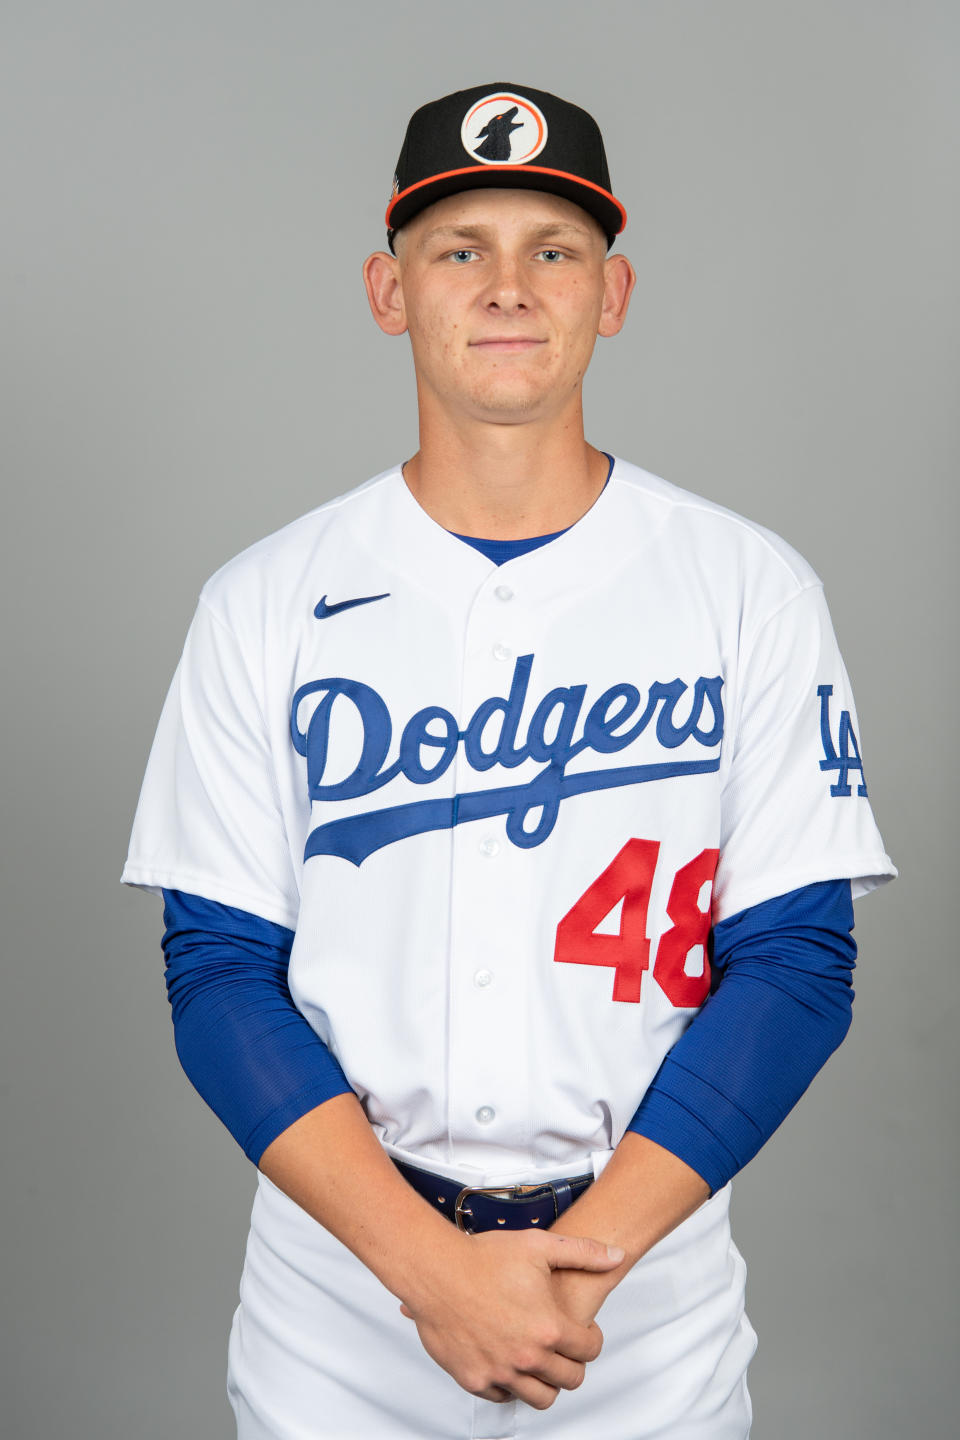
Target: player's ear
{"x":381,"y":277}
{"x":619,"y":278}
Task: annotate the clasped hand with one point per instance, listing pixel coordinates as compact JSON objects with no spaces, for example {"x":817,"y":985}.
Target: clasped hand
{"x":492,"y":1318}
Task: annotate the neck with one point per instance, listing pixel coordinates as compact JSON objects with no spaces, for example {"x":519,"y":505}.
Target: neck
{"x":505,"y":482}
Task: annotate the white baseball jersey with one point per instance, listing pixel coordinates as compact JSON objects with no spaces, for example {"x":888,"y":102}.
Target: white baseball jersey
{"x":501,"y":807}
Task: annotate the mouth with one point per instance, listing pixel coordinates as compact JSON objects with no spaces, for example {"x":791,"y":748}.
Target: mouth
{"x":506,"y":344}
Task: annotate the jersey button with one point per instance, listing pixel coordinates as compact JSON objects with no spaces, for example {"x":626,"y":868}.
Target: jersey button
{"x":485,"y":1114}
{"x":503,"y":592}
{"x":500,"y":652}
{"x":483,"y":978}
{"x":489,"y":847}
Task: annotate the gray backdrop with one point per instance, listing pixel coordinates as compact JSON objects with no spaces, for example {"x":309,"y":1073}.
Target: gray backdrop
{"x":188,"y":191}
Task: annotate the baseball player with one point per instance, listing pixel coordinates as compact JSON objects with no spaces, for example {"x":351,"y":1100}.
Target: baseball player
{"x":507,"y":810}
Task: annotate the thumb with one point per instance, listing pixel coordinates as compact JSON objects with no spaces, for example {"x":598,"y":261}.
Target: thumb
{"x":579,"y":1252}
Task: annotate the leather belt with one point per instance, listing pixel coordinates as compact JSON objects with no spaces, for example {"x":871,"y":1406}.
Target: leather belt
{"x":474,"y":1208}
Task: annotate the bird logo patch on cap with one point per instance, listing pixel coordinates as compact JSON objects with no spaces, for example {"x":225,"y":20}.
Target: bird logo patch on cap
{"x":503,"y":129}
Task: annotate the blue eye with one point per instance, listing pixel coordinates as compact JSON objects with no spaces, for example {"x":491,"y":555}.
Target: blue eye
{"x":461,"y":255}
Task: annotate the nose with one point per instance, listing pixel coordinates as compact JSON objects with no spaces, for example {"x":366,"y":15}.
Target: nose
{"x":507,"y":290}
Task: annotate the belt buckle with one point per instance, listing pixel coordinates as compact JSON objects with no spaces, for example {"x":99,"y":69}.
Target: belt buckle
{"x":501,"y":1192}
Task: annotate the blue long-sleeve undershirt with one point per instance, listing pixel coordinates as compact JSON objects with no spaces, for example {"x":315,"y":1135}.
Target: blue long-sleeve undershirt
{"x":781,"y":1004}
{"x":241,"y":1040}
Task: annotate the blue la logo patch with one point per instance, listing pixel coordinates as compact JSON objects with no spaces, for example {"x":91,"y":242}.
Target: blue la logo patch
{"x":845,"y":756}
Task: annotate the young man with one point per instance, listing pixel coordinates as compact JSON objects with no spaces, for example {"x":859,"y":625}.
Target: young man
{"x":507,"y":811}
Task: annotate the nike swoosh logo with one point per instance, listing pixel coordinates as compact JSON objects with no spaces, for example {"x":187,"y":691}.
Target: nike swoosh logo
{"x":322,"y":610}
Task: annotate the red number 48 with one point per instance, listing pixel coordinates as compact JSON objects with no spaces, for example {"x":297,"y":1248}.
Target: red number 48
{"x":629,"y":877}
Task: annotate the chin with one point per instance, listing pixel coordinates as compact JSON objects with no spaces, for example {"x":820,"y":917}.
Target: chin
{"x":505,"y":413}
{"x":510,"y":401}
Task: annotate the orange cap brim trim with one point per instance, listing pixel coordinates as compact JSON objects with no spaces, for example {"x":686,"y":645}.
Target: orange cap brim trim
{"x":506,"y":170}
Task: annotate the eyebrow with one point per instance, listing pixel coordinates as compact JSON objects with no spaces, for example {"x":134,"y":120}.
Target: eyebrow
{"x":551,"y":230}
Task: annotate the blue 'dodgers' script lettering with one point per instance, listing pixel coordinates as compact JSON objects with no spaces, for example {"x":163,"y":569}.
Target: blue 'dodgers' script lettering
{"x":552,"y":738}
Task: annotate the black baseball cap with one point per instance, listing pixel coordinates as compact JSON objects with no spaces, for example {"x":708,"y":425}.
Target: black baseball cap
{"x":503,"y":136}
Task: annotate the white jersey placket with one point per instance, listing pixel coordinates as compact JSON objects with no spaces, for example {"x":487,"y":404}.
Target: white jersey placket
{"x":489,"y":949}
